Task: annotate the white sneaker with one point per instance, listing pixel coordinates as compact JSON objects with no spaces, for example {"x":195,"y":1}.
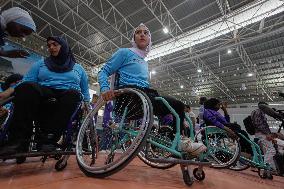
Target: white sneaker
{"x":193,"y":148}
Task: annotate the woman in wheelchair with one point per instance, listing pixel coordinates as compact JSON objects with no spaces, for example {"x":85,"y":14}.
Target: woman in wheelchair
{"x":133,"y":72}
{"x":47,"y":96}
{"x":211,"y":116}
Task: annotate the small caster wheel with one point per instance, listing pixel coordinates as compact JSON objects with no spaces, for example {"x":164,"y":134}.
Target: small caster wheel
{"x":198,"y":174}
{"x":20,"y":160}
{"x":269,"y":175}
{"x":60,"y":165}
{"x":188,"y":180}
{"x":262,"y":173}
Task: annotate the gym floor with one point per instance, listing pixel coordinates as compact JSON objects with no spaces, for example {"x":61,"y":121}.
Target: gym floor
{"x":35,"y":175}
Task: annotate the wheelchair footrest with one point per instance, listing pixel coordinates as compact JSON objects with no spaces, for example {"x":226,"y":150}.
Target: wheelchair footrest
{"x":177,"y":161}
{"x":36,"y":154}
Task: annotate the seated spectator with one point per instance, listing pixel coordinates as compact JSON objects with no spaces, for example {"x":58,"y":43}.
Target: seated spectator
{"x":191,"y":115}
{"x":57,"y":77}
{"x":202,"y":100}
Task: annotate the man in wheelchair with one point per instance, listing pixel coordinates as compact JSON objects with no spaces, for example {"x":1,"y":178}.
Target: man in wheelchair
{"x":133,"y":72}
{"x":46,"y":98}
{"x":211,"y":116}
{"x":267,"y":139}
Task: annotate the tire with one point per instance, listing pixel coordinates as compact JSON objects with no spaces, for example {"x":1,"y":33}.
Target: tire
{"x":118,"y":133}
{"x":187,"y":179}
{"x":239,"y":166}
{"x":222,"y":150}
{"x":198,"y":175}
{"x":59,"y":166}
{"x":163,"y":131}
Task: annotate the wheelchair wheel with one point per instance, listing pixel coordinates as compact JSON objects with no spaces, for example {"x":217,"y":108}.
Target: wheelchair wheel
{"x":164,"y":133}
{"x":198,"y":174}
{"x":239,"y":166}
{"x":187,"y":179}
{"x":60,"y":165}
{"x":222,"y":150}
{"x":113,"y":133}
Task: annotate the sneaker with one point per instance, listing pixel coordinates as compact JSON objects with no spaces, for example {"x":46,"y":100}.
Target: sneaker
{"x":193,"y":148}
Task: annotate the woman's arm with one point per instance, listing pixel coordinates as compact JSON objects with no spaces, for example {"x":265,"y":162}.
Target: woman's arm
{"x":84,"y":86}
{"x":32,"y":74}
{"x":112,"y":66}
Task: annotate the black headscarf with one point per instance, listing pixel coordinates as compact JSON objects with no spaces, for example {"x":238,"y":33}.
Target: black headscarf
{"x":64,"y":61}
{"x":211,"y":104}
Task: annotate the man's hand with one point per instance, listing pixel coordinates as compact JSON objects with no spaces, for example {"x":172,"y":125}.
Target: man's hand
{"x":224,"y":106}
{"x":231,"y":133}
{"x":16,"y":54}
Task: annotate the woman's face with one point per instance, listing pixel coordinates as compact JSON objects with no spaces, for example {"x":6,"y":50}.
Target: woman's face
{"x":142,"y":37}
{"x":53,"y":47}
{"x":17,"y":30}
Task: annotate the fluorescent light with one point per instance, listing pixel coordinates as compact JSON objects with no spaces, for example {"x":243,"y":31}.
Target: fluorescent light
{"x":250,"y":74}
{"x":199,"y":70}
{"x":229,"y":51}
{"x":236,"y":19}
{"x":165,"y":30}
{"x":181,"y":86}
{"x":153,"y":72}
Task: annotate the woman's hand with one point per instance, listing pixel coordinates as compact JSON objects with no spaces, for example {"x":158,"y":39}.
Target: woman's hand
{"x":16,"y":54}
{"x":6,"y":94}
{"x":108,"y":95}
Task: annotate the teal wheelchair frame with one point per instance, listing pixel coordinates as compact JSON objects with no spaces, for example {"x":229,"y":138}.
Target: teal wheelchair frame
{"x":132,"y":137}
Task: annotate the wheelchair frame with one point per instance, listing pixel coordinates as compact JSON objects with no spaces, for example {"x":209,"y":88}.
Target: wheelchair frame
{"x":62,"y":155}
{"x":180,"y":157}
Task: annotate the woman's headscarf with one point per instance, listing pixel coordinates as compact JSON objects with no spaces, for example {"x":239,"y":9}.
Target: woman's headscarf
{"x":64,"y":61}
{"x":211,"y":104}
{"x":18,"y":15}
{"x":135,"y":49}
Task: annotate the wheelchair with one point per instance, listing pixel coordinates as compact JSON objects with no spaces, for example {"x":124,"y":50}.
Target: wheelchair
{"x":257,"y":161}
{"x":113,"y":133}
{"x":63,"y":148}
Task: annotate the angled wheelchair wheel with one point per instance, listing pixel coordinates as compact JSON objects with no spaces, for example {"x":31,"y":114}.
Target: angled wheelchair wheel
{"x":113,"y":133}
{"x":240,"y":166}
{"x":164,"y":134}
{"x":222,"y":150}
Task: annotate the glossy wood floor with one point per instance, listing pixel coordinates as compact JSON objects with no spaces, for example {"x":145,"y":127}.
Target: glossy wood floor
{"x":34,"y":175}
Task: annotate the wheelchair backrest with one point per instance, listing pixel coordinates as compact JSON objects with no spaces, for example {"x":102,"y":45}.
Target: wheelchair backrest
{"x":250,"y":128}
